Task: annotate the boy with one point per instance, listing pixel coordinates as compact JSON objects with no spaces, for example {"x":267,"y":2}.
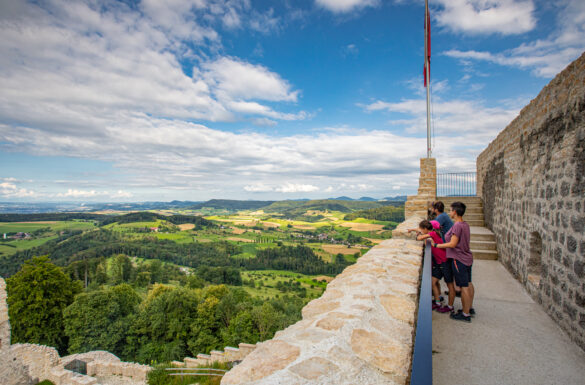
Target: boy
{"x":457,"y":245}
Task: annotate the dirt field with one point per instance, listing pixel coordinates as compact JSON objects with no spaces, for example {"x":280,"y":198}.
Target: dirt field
{"x":237,"y":230}
{"x":203,"y":240}
{"x":303,"y":227}
{"x":324,"y":278}
{"x":336,"y":249}
{"x":236,"y":239}
{"x":362,"y":226}
{"x":186,"y":226}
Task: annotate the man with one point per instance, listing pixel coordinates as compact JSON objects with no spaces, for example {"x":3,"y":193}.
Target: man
{"x":457,"y":242}
{"x":443,"y":219}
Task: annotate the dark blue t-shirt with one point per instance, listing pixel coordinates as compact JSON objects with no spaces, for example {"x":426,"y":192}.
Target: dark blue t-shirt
{"x":445,"y":222}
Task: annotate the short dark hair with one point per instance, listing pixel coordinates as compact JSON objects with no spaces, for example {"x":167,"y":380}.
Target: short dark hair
{"x":439,"y":206}
{"x":424,"y":224}
{"x":459,"y":208}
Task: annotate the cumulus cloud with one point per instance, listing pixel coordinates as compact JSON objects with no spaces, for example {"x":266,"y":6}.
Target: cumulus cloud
{"x":505,"y":17}
{"x":71,"y":65}
{"x":345,"y":6}
{"x":545,"y":57}
{"x":10,"y":190}
{"x":471,"y":122}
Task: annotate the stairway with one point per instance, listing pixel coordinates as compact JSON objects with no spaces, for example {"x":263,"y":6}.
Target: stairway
{"x":483,"y":241}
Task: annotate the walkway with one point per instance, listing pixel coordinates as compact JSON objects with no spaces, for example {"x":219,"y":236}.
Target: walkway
{"x":511,"y":340}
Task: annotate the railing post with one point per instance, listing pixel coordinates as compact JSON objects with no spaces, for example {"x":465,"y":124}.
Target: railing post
{"x":422,"y":358}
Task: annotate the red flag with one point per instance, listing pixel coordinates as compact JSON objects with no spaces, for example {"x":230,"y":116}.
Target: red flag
{"x":427,"y":43}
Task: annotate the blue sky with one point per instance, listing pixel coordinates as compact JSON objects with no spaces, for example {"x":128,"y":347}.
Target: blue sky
{"x":243,"y":99}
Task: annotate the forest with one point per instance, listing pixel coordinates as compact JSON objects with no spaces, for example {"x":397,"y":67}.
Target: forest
{"x":167,"y":285}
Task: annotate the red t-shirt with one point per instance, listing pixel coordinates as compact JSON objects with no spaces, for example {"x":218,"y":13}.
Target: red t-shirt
{"x":440,"y":255}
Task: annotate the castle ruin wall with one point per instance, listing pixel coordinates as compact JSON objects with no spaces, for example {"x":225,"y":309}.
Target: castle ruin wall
{"x":532,"y":181}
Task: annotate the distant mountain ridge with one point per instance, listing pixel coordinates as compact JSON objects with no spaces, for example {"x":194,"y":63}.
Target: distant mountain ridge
{"x":343,"y":203}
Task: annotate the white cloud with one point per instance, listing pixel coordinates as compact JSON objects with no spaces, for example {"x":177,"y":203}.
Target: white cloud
{"x":505,"y":17}
{"x":545,"y":57}
{"x":258,"y":188}
{"x":73,"y":193}
{"x":10,"y":190}
{"x":294,"y":187}
{"x":74,"y":66}
{"x":235,"y":79}
{"x":344,"y":6}
{"x":121,"y":194}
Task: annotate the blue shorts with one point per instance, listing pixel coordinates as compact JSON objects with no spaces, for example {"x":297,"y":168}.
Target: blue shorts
{"x":443,"y":270}
{"x":462,"y":274}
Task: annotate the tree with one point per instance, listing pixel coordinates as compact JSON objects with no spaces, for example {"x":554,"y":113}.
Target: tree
{"x":94,"y":312}
{"x":37,"y":296}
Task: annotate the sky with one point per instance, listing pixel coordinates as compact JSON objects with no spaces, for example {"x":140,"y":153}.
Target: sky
{"x":151,"y":100}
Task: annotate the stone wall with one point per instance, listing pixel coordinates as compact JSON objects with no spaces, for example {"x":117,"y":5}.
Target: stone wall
{"x":4,"y":322}
{"x":27,"y":364}
{"x":359,"y":332}
{"x":532,"y":181}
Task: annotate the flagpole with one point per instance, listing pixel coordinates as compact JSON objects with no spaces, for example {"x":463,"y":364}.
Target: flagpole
{"x":428,"y":77}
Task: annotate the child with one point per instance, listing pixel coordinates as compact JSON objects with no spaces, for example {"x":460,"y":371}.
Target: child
{"x":428,"y":230}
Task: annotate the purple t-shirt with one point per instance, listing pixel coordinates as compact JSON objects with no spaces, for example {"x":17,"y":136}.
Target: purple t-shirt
{"x":461,"y":252}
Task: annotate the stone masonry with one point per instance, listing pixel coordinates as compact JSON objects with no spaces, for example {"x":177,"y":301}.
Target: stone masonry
{"x":359,"y":332}
{"x":4,"y":322}
{"x":417,"y":205}
{"x":532,"y":181}
{"x":27,"y":364}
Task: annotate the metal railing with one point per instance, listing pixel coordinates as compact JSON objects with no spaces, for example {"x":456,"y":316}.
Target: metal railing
{"x":456,"y":184}
{"x":422,"y":360}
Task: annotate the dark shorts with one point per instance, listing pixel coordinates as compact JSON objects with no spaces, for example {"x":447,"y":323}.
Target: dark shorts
{"x":462,"y":274}
{"x":444,"y":271}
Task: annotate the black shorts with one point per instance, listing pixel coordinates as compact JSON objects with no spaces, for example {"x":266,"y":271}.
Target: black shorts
{"x":462,"y":274}
{"x":443,"y":270}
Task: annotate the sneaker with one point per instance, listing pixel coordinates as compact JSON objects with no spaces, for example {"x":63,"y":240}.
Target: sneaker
{"x":444,"y":309}
{"x":460,"y":317}
{"x":436,"y":306}
{"x":471,"y":312}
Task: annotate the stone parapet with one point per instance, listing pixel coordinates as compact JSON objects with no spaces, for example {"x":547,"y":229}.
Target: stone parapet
{"x":359,"y":332}
{"x":532,"y":182}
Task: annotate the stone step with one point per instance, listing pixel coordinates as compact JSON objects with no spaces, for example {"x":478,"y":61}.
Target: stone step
{"x":481,"y":234}
{"x":470,"y":210}
{"x":485,"y":254}
{"x":477,"y":223}
{"x":473,"y":216}
{"x":482,"y":245}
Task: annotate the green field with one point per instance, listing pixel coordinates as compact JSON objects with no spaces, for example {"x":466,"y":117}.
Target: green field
{"x":9,"y":247}
{"x":28,"y":227}
{"x":265,"y":282}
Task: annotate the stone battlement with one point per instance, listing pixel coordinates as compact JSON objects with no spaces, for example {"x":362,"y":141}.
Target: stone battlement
{"x":532,"y":181}
{"x":360,"y":331}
